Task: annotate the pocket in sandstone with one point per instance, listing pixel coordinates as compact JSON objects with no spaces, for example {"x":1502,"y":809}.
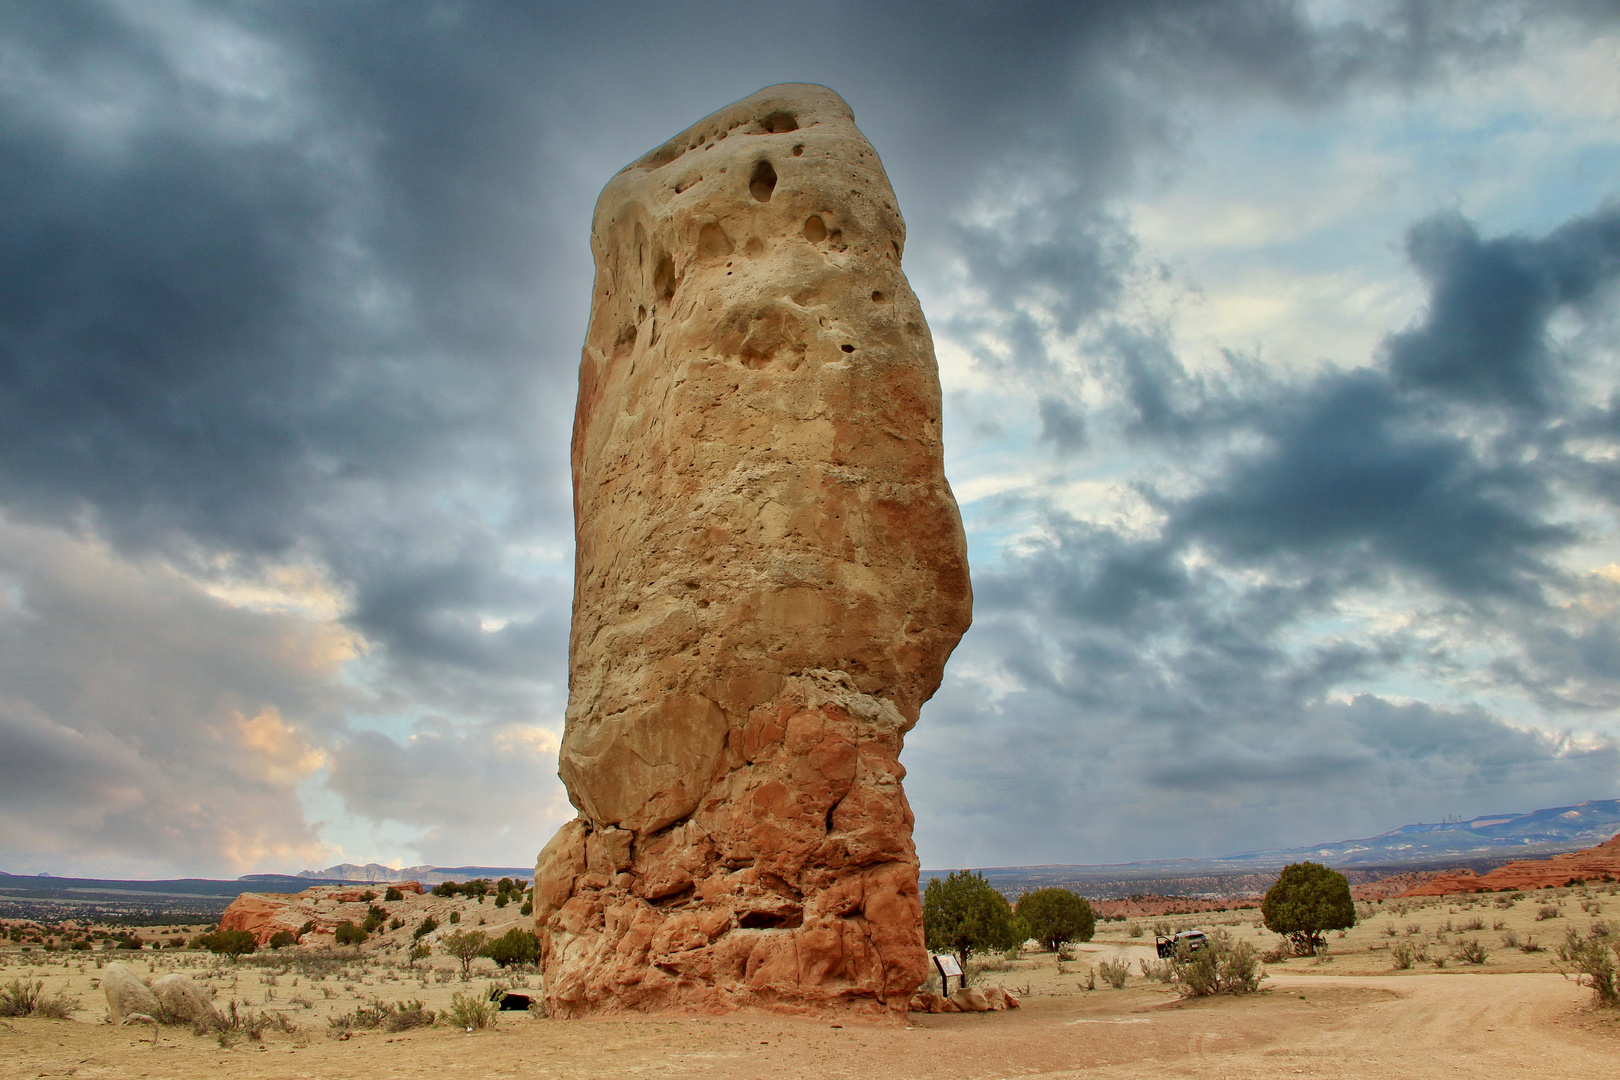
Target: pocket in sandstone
{"x":647,"y":767}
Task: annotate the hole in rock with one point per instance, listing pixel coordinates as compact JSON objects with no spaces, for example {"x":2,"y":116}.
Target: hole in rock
{"x":641,"y":313}
{"x":756,"y":246}
{"x":770,"y":920}
{"x":713,"y":243}
{"x":779,"y":121}
{"x":763,"y":182}
{"x":879,"y":298}
{"x":664,"y":279}
{"x":798,"y":151}
{"x":815,"y":230}
{"x":847,"y":348}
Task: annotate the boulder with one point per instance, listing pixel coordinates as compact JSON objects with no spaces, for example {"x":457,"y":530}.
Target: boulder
{"x":770,"y":575}
{"x":971,"y":999}
{"x":184,"y":1002}
{"x":127,"y":996}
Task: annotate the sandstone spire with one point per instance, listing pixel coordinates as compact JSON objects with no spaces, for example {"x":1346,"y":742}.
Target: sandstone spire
{"x":770,"y":575}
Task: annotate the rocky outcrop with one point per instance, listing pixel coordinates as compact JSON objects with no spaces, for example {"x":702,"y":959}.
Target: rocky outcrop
{"x":1600,"y":863}
{"x":127,"y":996}
{"x":770,"y":574}
{"x":318,"y":909}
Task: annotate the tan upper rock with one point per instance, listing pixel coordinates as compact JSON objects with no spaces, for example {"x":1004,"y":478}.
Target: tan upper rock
{"x":766,"y":544}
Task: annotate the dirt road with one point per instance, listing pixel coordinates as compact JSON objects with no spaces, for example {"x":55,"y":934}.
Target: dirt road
{"x":1419,"y":1026}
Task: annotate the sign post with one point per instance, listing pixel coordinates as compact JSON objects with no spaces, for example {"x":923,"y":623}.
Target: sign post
{"x":947,"y":965}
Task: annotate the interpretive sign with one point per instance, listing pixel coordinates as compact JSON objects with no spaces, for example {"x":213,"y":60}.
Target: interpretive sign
{"x":948,"y":967}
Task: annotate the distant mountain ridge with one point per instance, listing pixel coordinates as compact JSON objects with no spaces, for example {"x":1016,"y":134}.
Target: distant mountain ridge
{"x":427,"y":875}
{"x":1480,"y":843}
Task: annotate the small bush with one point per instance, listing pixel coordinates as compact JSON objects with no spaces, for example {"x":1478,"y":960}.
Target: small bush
{"x":378,"y":1014}
{"x":1157,"y":970}
{"x":391,"y":894}
{"x":425,"y":927}
{"x":1592,"y":962}
{"x":1222,"y":966}
{"x":23,"y":998}
{"x":1470,"y":951}
{"x":1134,"y":929}
{"x":281,"y":939}
{"x":131,"y":943}
{"x":1547,"y":911}
{"x":527,"y":908}
{"x":471,"y":1011}
{"x":349,"y":934}
{"x":1510,"y":940}
{"x":1401,"y":955}
{"x":1114,"y":973}
{"x":1530,"y":946}
{"x":455,"y":917}
{"x":1471,"y":924}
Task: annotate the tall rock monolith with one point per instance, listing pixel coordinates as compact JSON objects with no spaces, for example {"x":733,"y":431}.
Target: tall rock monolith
{"x":770,"y":575}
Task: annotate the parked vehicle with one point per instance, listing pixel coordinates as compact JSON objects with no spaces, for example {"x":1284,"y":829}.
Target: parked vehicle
{"x":1167,"y":946}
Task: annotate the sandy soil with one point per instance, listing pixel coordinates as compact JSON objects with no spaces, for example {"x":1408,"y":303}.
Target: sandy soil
{"x":1428,"y":1025}
{"x":1347,"y":1014}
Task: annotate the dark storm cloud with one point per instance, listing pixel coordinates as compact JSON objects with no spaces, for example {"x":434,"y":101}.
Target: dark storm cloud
{"x":1485,"y":335}
{"x":1206,"y":653}
{"x":306,"y":282}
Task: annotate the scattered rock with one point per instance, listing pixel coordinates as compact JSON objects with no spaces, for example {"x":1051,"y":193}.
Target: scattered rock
{"x":1000,"y":997}
{"x":771,"y":573}
{"x":127,"y":996}
{"x":184,"y":1002}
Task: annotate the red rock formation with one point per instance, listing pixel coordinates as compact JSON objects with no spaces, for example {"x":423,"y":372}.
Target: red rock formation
{"x":265,"y":914}
{"x":1600,"y":863}
{"x":770,"y":574}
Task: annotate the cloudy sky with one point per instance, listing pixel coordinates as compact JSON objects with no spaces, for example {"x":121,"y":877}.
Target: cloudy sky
{"x":1279,"y":343}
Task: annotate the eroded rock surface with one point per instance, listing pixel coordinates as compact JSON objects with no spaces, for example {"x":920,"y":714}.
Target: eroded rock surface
{"x":770,"y":575}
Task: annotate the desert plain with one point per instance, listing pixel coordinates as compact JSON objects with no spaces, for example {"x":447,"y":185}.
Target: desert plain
{"x":302,"y":1012}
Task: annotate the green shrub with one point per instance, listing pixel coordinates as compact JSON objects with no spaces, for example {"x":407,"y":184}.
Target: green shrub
{"x":349,"y":934}
{"x":1308,"y":900}
{"x":515,"y":947}
{"x":527,"y":908}
{"x":455,"y":917}
{"x":466,"y":946}
{"x":281,"y":939}
{"x":1470,"y":951}
{"x":1056,"y":916}
{"x":964,"y":914}
{"x":391,"y":894}
{"x":226,"y":942}
{"x":131,"y":943}
{"x":425,"y":927}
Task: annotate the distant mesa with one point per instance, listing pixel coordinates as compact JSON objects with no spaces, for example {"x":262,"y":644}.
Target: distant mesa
{"x":1600,"y":863}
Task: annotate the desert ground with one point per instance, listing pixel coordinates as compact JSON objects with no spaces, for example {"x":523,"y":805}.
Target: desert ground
{"x":1347,"y":1013}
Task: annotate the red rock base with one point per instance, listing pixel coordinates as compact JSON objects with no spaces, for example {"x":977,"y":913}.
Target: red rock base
{"x":792,"y":887}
